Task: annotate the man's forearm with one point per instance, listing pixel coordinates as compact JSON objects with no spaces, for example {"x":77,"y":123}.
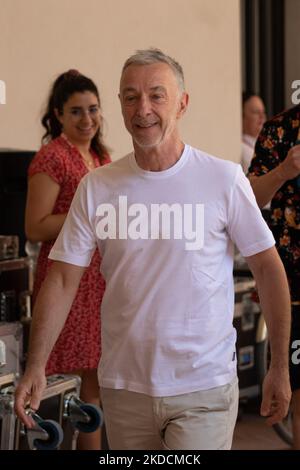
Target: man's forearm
{"x":275,"y":302}
{"x":50,"y":313}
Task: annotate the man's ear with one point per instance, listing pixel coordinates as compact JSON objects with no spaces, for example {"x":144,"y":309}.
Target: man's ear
{"x":183,"y":104}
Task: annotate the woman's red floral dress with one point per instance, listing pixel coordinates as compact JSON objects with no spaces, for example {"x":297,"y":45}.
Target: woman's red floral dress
{"x":78,"y":346}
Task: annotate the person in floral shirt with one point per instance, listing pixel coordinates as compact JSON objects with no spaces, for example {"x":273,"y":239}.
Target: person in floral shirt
{"x":275,"y":176}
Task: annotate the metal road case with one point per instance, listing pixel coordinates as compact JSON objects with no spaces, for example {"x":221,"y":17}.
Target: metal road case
{"x":11,"y":348}
{"x":9,"y":247}
{"x":7,"y":416}
{"x":252,"y":341}
{"x":54,"y":406}
{"x":60,"y":417}
{"x":251,"y":337}
{"x":16,"y":282}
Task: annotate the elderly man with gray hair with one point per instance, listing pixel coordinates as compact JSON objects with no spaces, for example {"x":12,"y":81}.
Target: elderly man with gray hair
{"x":165,"y":219}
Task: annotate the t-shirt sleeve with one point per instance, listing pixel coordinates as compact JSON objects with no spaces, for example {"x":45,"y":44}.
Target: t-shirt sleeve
{"x":265,"y":157}
{"x":49,"y":161}
{"x":76,"y":241}
{"x":246,"y":226}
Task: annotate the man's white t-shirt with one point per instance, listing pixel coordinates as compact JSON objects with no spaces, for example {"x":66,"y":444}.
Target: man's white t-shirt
{"x":168,"y":306}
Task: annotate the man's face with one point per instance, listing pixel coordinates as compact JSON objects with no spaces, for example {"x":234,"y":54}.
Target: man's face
{"x":254,"y":116}
{"x":151,"y":103}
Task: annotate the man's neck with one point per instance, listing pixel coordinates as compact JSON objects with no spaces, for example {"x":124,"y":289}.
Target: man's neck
{"x":160,"y":157}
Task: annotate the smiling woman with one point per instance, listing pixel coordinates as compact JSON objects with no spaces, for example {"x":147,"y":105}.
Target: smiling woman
{"x":80,"y":120}
{"x":72,"y":147}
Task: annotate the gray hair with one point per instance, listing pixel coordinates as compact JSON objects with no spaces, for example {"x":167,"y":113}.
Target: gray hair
{"x":152,"y":56}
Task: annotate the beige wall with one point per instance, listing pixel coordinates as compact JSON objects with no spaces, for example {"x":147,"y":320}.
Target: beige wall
{"x":292,"y":48}
{"x":41,"y":38}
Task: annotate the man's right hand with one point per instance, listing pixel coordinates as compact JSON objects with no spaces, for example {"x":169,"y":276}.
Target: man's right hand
{"x":29,"y":393}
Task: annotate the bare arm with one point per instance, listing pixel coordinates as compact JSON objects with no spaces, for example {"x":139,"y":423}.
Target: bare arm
{"x":50,"y":313}
{"x":273,"y":290}
{"x":40,"y":223}
{"x":265,"y":186}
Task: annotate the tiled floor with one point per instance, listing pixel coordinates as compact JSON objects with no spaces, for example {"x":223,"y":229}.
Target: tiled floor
{"x":252,"y":433}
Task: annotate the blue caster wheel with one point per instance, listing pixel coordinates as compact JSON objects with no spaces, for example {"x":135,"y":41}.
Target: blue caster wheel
{"x":95,"y":418}
{"x":55,"y":435}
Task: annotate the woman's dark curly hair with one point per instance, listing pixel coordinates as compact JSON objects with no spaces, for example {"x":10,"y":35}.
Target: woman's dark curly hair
{"x":63,"y":88}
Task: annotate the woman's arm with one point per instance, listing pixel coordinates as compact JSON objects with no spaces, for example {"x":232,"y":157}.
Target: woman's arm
{"x":40,"y":224}
{"x":265,"y":186}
